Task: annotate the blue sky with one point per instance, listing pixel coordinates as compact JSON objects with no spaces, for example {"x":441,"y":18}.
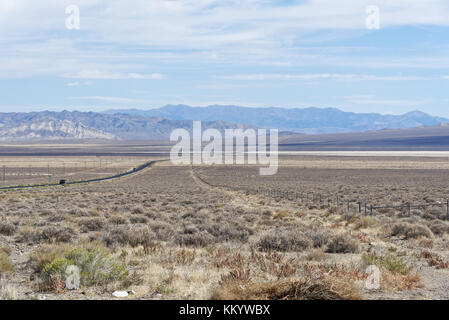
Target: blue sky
{"x":145,"y":54}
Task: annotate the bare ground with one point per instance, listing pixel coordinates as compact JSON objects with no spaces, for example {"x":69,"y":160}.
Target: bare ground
{"x":176,"y":232}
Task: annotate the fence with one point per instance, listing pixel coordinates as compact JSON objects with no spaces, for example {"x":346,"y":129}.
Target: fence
{"x":46,"y":172}
{"x":363,"y":207}
{"x":119,"y":175}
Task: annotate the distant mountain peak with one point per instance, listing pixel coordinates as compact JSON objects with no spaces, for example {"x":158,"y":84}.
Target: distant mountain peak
{"x":301,"y":120}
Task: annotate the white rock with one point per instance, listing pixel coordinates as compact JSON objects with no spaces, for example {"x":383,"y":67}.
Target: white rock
{"x":120,"y":294}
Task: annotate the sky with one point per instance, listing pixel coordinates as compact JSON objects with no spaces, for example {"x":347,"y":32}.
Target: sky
{"x":383,"y":56}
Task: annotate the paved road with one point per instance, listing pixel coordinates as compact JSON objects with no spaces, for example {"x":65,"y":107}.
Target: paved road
{"x":127,"y":173}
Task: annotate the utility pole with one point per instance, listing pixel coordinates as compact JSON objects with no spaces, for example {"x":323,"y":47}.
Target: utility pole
{"x":48,"y":172}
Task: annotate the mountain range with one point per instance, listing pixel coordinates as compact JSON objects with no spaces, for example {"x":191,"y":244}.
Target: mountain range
{"x":159,"y":123}
{"x":307,"y":120}
{"x":66,"y":125}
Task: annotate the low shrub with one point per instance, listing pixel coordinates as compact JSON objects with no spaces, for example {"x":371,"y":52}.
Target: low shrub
{"x":138,"y":219}
{"x":396,"y":274}
{"x":392,"y":263}
{"x":197,"y":239}
{"x":138,"y":210}
{"x":56,"y":234}
{"x":342,"y":243}
{"x":286,"y":240}
{"x":45,"y":254}
{"x":8,"y":291}
{"x":328,"y":288}
{"x":92,"y":224}
{"x":49,"y":234}
{"x":96,"y":266}
{"x":5,"y":263}
{"x":7,"y":229}
{"x":365,"y":222}
{"x":117,"y":219}
{"x":133,"y":236}
{"x":438,"y":227}
{"x":434,"y":260}
{"x":319,"y":237}
{"x":410,"y":231}
{"x":228,"y":232}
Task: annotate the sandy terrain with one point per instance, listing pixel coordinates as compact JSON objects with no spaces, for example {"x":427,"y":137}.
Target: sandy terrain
{"x":176,"y":232}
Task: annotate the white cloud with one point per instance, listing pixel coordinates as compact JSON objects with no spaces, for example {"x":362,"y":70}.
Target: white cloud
{"x":104,"y":75}
{"x":108,"y":99}
{"x":320,"y":76}
{"x":251,"y":31}
{"x":78,"y":83}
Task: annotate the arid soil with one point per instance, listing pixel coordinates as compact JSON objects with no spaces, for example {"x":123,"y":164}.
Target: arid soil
{"x":224,"y":232}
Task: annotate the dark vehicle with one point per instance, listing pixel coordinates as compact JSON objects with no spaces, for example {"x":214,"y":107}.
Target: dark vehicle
{"x":62,"y":181}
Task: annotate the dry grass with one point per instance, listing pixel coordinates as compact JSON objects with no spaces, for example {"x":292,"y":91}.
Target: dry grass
{"x":8,"y":291}
{"x":295,"y":289}
{"x":183,"y":239}
{"x":5,"y":262}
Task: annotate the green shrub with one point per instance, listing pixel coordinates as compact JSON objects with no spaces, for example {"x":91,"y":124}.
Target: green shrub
{"x":394,"y":264}
{"x":56,"y":267}
{"x":96,"y":267}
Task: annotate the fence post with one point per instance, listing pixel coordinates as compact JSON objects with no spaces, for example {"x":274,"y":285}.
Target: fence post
{"x":365,"y":209}
{"x":348,"y":205}
{"x":371,"y":209}
{"x":447,"y":209}
{"x":360,"y":206}
{"x":409,"y":209}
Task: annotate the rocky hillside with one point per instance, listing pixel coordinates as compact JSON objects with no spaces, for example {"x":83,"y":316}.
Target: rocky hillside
{"x":91,"y":125}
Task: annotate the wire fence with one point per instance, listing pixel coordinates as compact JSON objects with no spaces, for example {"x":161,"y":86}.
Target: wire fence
{"x":366,"y":208}
{"x":50,"y":172}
